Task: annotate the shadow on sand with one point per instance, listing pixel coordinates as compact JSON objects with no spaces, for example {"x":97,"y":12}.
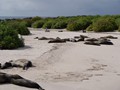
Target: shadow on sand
{"x":25,"y":47}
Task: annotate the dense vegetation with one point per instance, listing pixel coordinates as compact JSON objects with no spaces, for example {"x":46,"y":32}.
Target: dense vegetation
{"x":104,"y":25}
{"x":38,"y":24}
{"x":9,"y":38}
{"x":49,"y":24}
{"x":95,"y":23}
{"x":10,"y":28}
{"x":73,"y":26}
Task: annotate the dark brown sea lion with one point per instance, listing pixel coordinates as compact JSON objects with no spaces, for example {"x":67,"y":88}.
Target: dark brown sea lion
{"x":43,"y":38}
{"x":18,"y":80}
{"x":76,"y":36}
{"x":91,"y":39}
{"x":57,"y":40}
{"x":83,"y":36}
{"x":110,"y":37}
{"x":92,"y":43}
{"x":36,"y":37}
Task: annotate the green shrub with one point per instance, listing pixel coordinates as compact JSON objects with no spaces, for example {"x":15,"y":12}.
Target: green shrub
{"x":23,"y":30}
{"x":27,"y":22}
{"x":78,"y":23}
{"x":89,"y":28}
{"x":118,"y":22}
{"x":74,"y":26}
{"x":119,"y":29}
{"x":60,"y":25}
{"x":9,"y":38}
{"x":23,"y":23}
{"x":36,"y":18}
{"x":38,"y":24}
{"x":104,"y":25}
{"x":49,"y":24}
{"x":84,"y":23}
{"x":20,"y":27}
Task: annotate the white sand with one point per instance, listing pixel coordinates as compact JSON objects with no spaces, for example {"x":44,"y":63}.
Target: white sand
{"x":67,"y":66}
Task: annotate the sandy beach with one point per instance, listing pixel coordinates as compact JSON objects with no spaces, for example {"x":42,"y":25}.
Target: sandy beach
{"x":67,"y":66}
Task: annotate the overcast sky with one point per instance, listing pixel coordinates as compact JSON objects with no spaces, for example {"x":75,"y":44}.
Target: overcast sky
{"x":58,"y":7}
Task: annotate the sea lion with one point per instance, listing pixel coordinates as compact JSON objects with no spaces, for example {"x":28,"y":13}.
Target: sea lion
{"x":92,"y":43}
{"x":60,"y":30}
{"x":18,"y":80}
{"x":110,"y":37}
{"x":23,"y":63}
{"x":83,"y":36}
{"x":43,"y":38}
{"x":57,"y":40}
{"x":6,"y":65}
{"x":76,"y":39}
{"x":3,"y":78}
{"x":91,"y":39}
{"x":36,"y":38}
{"x":105,"y":41}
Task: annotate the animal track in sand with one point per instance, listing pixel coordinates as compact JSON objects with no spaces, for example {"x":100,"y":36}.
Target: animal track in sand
{"x":94,"y":60}
{"x":97,"y":67}
{"x":68,"y":76}
{"x":98,"y":74}
{"x":118,"y":74}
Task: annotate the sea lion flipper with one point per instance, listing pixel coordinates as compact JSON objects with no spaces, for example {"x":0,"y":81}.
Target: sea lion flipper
{"x":26,"y":83}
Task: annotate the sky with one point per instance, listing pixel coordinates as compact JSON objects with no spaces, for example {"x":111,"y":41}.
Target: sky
{"x":58,"y":7}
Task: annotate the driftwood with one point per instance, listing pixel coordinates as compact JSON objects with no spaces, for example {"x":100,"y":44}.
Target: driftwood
{"x":22,"y":63}
{"x":18,"y":80}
